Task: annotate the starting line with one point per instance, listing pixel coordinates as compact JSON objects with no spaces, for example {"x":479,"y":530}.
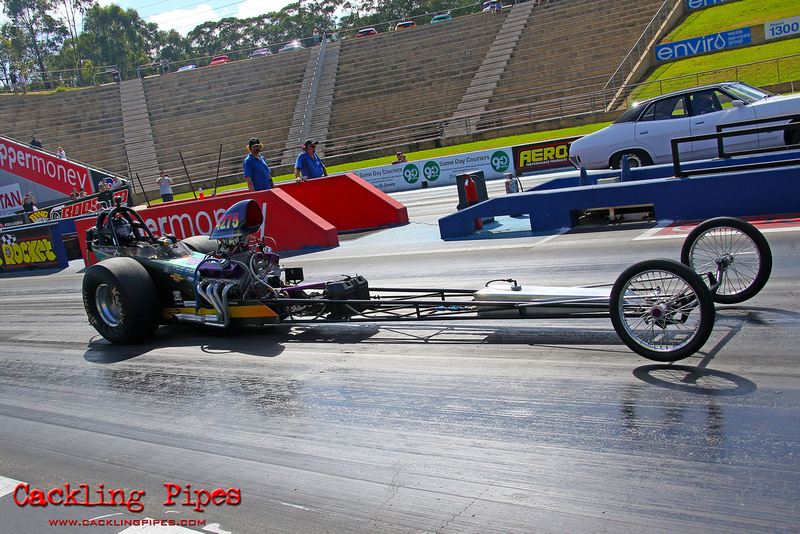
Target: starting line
{"x":765,"y":224}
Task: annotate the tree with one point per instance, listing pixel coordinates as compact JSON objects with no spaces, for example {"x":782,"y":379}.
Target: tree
{"x":294,"y":21}
{"x":74,"y":13}
{"x":113,"y":36}
{"x":37,"y":36}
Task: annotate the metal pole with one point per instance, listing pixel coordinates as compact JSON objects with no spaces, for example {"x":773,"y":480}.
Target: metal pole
{"x":143,"y":191}
{"x":219,"y":160}
{"x":187,"y":175}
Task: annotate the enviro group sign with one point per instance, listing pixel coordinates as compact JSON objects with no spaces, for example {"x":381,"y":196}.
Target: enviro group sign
{"x":438,"y":171}
{"x":695,"y":4}
{"x":700,"y":45}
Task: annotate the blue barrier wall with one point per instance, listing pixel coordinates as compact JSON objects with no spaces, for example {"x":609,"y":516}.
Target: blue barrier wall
{"x":737,"y":194}
{"x":33,"y":247}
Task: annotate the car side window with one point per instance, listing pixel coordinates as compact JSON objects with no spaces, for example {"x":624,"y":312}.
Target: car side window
{"x":707,"y":101}
{"x":725,"y":100}
{"x":669,"y":108}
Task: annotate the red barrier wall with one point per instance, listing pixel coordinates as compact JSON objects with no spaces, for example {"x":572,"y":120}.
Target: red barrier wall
{"x":348,"y":202}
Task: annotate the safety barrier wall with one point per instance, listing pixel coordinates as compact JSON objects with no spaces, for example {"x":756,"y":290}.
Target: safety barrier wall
{"x":48,"y":178}
{"x":288,"y":222}
{"x":33,"y":247}
{"x":348,"y":202}
{"x":737,"y":193}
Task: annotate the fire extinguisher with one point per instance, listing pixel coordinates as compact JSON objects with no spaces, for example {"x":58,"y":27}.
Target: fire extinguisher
{"x":471,"y":192}
{"x":513,"y":184}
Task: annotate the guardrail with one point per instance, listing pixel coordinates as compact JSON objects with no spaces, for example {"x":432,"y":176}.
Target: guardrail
{"x":720,"y":136}
{"x":639,"y":48}
{"x":643,"y":90}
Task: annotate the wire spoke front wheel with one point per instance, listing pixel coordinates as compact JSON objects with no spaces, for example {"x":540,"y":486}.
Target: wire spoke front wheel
{"x":732,"y":256}
{"x":662,"y":310}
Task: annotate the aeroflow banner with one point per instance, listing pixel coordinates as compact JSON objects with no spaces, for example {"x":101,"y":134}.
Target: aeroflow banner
{"x":706,"y":43}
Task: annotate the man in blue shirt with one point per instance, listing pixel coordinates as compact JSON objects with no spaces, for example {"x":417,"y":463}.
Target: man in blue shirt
{"x":308,"y":164}
{"x":256,"y":171}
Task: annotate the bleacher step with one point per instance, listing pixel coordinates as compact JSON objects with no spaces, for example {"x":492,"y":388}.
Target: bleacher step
{"x":139,"y":143}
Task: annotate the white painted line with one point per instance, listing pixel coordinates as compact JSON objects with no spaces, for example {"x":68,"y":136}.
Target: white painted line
{"x":295,"y":506}
{"x":683,"y":231}
{"x":7,"y":485}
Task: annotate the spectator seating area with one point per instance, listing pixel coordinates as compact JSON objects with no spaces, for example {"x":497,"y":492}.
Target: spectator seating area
{"x":192,"y":113}
{"x":399,"y":79}
{"x":389,"y":90}
{"x":87,"y":124}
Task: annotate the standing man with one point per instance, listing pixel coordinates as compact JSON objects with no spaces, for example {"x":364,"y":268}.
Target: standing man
{"x":35,"y":143}
{"x":256,"y":171}
{"x":27,"y":203}
{"x":14,"y":82}
{"x":22,"y":81}
{"x":105,"y":196}
{"x":308,"y":164}
{"x":165,"y":187}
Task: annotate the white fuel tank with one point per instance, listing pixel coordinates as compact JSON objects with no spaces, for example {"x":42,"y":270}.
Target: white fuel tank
{"x":542,"y":301}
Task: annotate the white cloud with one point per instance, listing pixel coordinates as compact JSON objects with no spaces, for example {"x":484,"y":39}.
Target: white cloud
{"x":252,"y":8}
{"x":184,"y":20}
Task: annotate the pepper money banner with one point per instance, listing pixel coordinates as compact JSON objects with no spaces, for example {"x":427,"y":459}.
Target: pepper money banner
{"x":438,"y":171}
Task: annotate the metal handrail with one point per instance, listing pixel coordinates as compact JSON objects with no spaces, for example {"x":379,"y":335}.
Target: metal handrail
{"x":658,"y":19}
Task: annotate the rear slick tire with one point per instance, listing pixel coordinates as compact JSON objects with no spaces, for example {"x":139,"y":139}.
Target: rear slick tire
{"x":662,"y":310}
{"x":121,"y":301}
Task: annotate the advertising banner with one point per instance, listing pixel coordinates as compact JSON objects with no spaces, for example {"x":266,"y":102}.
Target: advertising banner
{"x":437,"y":171}
{"x":706,"y":43}
{"x":545,"y":155}
{"x":73,"y":208}
{"x":85,"y":205}
{"x":31,"y":248}
{"x":10,"y":200}
{"x":782,"y":28}
{"x":43,"y":169}
{"x":695,"y":4}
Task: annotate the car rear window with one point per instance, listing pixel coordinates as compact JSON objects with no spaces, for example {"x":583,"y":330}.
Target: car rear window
{"x":669,"y":108}
{"x":630,"y":115}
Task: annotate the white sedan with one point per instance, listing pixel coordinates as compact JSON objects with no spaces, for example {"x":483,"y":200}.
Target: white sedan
{"x":644,"y":131}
